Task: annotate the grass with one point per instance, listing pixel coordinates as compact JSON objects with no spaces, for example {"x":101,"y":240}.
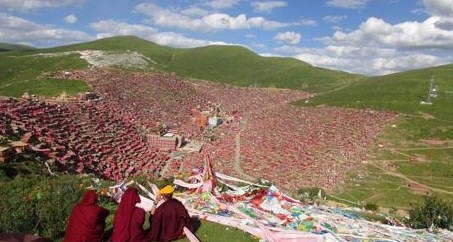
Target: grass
{"x":19,"y":73}
{"x":401,"y":92}
{"x":213,"y":232}
{"x":374,"y":186}
{"x":437,"y":169}
{"x":434,"y":170}
{"x":14,"y":47}
{"x":160,"y":54}
{"x":441,"y":155}
{"x":417,"y":129}
{"x":409,"y":137}
{"x":226,"y":64}
{"x":47,"y":88}
{"x":239,"y":66}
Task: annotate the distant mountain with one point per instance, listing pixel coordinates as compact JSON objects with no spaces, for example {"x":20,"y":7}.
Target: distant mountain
{"x":228,"y":64}
{"x":400,"y":92}
{"x":14,"y":47}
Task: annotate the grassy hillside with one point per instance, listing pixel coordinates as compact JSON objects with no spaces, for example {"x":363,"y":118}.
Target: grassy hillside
{"x":160,"y":54}
{"x":228,"y":64}
{"x":14,"y":47}
{"x":19,"y":73}
{"x":401,"y":92}
{"x":416,"y":151}
{"x":240,"y":66}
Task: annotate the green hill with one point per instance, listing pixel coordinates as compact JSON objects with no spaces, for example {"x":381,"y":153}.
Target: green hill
{"x":227,"y":64}
{"x":160,"y":54}
{"x":401,"y":92}
{"x":415,"y":152}
{"x":19,"y":73}
{"x":240,"y":66}
{"x":14,"y":47}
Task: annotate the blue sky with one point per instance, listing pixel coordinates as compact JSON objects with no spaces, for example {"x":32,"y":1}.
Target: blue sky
{"x":361,"y":36}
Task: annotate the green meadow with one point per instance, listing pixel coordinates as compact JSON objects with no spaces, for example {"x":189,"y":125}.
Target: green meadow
{"x":417,"y":147}
{"x":20,"y":73}
{"x":226,"y":64}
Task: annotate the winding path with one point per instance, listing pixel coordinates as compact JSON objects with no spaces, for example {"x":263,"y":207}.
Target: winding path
{"x":387,"y":172}
{"x":237,"y":157}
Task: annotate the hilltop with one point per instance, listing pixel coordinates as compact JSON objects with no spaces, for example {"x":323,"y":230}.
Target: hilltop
{"x":226,"y":64}
{"x":14,"y":47}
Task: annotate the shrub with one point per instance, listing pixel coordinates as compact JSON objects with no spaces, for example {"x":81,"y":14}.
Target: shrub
{"x":371,"y":206}
{"x":38,"y":205}
{"x":435,"y":212}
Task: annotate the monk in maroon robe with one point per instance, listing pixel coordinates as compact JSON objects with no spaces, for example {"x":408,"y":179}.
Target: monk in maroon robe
{"x":169,"y":217}
{"x":87,"y":220}
{"x":128,"y":221}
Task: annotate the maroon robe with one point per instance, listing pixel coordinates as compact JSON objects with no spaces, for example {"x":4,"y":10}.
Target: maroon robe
{"x":168,"y":221}
{"x":128,"y":221}
{"x":87,"y":220}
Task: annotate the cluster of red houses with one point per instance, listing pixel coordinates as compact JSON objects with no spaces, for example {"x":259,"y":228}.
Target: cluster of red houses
{"x":81,"y":136}
{"x":121,"y":132}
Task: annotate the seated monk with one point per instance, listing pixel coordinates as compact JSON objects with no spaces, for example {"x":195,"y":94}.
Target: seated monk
{"x":87,"y":220}
{"x":168,"y":217}
{"x":129,"y":219}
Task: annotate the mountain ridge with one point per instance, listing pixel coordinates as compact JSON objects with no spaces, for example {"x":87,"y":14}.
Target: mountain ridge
{"x":235,"y":65}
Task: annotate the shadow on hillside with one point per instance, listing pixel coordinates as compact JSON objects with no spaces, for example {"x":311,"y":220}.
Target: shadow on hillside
{"x":196,"y":224}
{"x":9,"y":171}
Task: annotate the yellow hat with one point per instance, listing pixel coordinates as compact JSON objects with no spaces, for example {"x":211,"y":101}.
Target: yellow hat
{"x":166,"y":190}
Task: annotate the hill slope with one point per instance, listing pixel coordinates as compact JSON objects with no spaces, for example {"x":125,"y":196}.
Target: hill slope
{"x":19,"y":73}
{"x":240,"y":66}
{"x":229,"y":64}
{"x":401,"y":92}
{"x":14,"y":47}
{"x":413,"y":156}
{"x":159,"y":54}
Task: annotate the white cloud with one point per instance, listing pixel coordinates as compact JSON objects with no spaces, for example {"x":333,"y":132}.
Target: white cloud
{"x":352,"y":4}
{"x":18,"y":30}
{"x":194,"y":11}
{"x":378,"y":47}
{"x":179,"y":40}
{"x":211,"y":22}
{"x":365,"y":60}
{"x":218,"y":4}
{"x":305,"y":22}
{"x":111,"y":27}
{"x":288,"y":37}
{"x":418,"y":11}
{"x":334,"y":19}
{"x":70,"y":19}
{"x":107,"y":28}
{"x":439,"y":7}
{"x":376,"y":32}
{"x":27,"y":5}
{"x":267,"y":7}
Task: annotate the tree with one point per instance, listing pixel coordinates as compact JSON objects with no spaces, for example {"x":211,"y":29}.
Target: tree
{"x":434,"y":213}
